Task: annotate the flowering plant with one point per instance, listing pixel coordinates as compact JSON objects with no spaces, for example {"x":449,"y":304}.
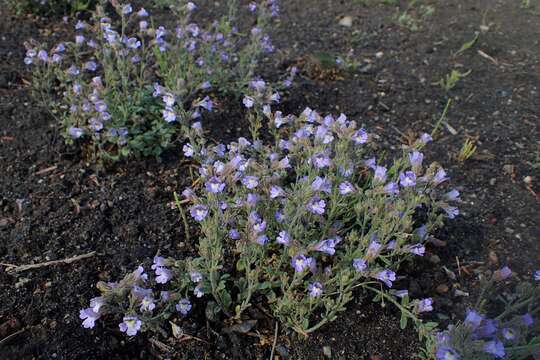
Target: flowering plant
{"x":128,"y":87}
{"x":512,"y":333}
{"x":296,"y":225}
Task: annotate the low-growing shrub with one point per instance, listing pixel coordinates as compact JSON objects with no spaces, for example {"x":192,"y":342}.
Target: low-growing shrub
{"x":293,"y":226}
{"x":513,"y":332}
{"x":129,"y":87}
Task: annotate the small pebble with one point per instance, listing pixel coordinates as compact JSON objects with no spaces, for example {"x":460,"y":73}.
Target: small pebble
{"x":346,"y":21}
{"x":327,"y":351}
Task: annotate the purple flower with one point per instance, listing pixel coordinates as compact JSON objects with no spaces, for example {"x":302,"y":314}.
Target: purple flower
{"x":425,"y":138}
{"x":130,"y":325}
{"x":195,"y":276}
{"x":359,"y":265}
{"x":373,"y":250}
{"x":316,"y":206}
{"x":127,"y":9}
{"x":198,"y":291}
{"x":279,"y":216}
{"x":360,"y":137}
{"x":198,"y":212}
{"x":261,"y":239}
{"x":89,"y":318}
{"x":206,"y":103}
{"x":80,"y":25}
{"x":391,"y":188}
{"x":502,"y":274}
{"x":169,"y":99}
{"x":142,"y":13}
{"x":473,"y":319}
{"x":158,"y":261}
{"x":184,"y":306}
{"x":147,"y":304}
{"x":76,"y":132}
{"x":101,"y":106}
{"x":425,"y":305}
{"x":537,"y":275}
{"x":234,"y":234}
{"x":509,"y":334}
{"x":169,"y":115}
{"x":445,"y":353}
{"x":299,"y":262}
{"x":95,"y":124}
{"x":188,"y":150}
{"x":90,"y":66}
{"x":321,"y":160}
{"x":527,"y":319}
{"x":251,"y":182}
{"x":487,"y":329}
{"x":416,"y":249}
{"x":97,"y":302}
{"x":401,"y":293}
{"x":276,"y":191}
{"x":346,"y":188}
{"x":416,"y":159}
{"x":190,"y":6}
{"x":452,"y":195}
{"x":214,"y":185}
{"x":283,"y":238}
{"x":386,"y":276}
{"x":327,"y":246}
{"x":248,"y":102}
{"x":451,"y":211}
{"x":79,"y":39}
{"x":163,"y":275}
{"x":320,"y":184}
{"x":380,"y":174}
{"x":140,"y":274}
{"x":252,"y":199}
{"x":315,"y":289}
{"x":252,"y":6}
{"x":407,"y":179}
{"x":440,"y":177}
{"x":495,"y":348}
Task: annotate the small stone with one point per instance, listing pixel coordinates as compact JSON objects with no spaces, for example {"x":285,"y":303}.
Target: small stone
{"x":435,"y":259}
{"x":327,"y":351}
{"x":492,"y":181}
{"x":346,"y":21}
{"x":528,"y":180}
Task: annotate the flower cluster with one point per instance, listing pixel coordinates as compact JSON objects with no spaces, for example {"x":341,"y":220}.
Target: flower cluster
{"x":511,"y":334}
{"x":128,"y":87}
{"x":311,"y":217}
{"x":139,"y":299}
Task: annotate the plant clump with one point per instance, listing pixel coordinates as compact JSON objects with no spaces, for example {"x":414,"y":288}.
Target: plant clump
{"x":294,"y":225}
{"x":128,"y":87}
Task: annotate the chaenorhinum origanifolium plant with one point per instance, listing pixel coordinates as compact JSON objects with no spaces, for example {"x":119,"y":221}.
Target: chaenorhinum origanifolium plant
{"x":293,"y":226}
{"x":512,"y":333}
{"x":129,"y":87}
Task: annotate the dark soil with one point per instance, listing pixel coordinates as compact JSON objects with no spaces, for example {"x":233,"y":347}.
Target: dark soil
{"x":53,"y":205}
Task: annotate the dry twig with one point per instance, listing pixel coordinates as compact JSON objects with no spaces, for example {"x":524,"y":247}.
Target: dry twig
{"x":13,"y":269}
